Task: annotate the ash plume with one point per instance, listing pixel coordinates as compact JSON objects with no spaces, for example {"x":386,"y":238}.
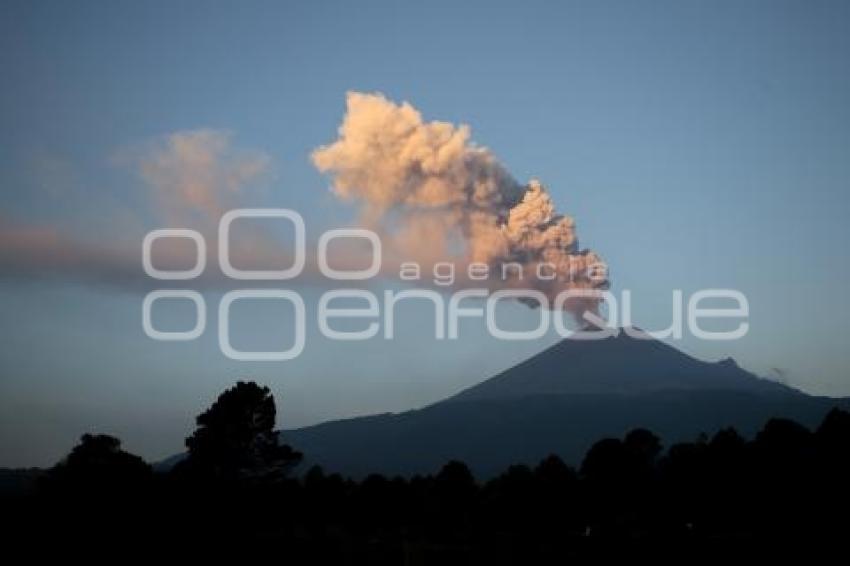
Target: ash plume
{"x":434,"y":195}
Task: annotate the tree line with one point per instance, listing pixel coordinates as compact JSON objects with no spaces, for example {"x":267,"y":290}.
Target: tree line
{"x":240,"y":487}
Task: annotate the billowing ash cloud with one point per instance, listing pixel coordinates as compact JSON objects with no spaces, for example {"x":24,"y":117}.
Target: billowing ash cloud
{"x":434,"y":195}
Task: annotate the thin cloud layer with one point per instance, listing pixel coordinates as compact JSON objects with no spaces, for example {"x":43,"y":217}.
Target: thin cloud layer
{"x":190,"y":178}
{"x":197,"y":175}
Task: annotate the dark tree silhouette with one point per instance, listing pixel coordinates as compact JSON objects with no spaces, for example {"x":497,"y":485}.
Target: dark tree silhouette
{"x":835,"y":429}
{"x":605,"y":461}
{"x":709,"y":498}
{"x":454,"y":491}
{"x":832,"y":437}
{"x":642,"y":449}
{"x":99,"y":464}
{"x":783,"y":436}
{"x":455,"y":481}
{"x":236,"y":440}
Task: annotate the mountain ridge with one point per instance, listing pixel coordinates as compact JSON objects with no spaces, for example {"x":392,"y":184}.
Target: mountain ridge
{"x":618,"y":364}
{"x":560,"y":401}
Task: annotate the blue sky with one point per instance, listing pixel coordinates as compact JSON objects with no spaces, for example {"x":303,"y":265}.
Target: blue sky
{"x":697,"y":144}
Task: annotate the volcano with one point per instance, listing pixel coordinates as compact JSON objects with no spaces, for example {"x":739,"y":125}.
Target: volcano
{"x":561,"y":401}
{"x":617,"y":365}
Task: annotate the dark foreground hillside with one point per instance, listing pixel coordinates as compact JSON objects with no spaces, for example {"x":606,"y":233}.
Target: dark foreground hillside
{"x":783,"y":493}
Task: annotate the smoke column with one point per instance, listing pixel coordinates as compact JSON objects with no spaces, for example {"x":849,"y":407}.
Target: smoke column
{"x":434,"y":196}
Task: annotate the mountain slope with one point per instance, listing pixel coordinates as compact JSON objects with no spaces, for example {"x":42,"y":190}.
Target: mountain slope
{"x":560,"y":401}
{"x":620,"y":364}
